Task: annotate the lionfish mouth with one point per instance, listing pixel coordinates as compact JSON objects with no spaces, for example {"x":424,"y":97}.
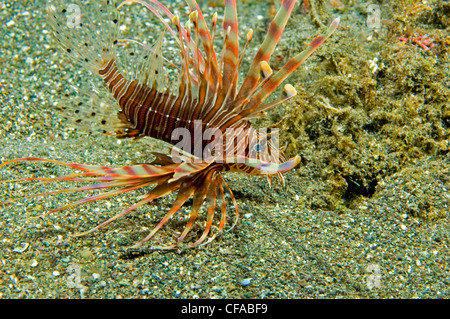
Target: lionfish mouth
{"x":206,"y":99}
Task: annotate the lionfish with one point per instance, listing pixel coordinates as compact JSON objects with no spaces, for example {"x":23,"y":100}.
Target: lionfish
{"x":203,"y":100}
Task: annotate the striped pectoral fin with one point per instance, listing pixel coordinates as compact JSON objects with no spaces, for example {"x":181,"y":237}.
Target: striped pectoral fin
{"x":211,"y":206}
{"x":140,"y":171}
{"x":160,"y":190}
{"x":203,"y":187}
{"x":125,"y":189}
{"x":233,"y":199}
{"x":184,"y":193}
{"x":223,"y":207}
{"x":107,"y":184}
{"x":148,"y":170}
{"x":185,"y":169}
{"x":136,"y":171}
{"x":87,"y":168}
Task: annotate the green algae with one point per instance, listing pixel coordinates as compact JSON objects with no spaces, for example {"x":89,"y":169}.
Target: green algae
{"x":378,"y":104}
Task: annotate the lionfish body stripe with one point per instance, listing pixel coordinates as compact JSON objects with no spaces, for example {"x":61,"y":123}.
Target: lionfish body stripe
{"x":206,"y":102}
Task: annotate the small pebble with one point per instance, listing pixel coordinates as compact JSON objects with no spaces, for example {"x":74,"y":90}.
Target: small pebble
{"x":21,"y":249}
{"x":246,"y":281}
{"x":86,"y":253}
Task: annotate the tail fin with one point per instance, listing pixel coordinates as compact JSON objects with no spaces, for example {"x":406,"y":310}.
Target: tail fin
{"x":86,"y":31}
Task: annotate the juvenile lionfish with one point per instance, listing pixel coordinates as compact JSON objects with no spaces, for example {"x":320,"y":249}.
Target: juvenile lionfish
{"x":206,"y":102}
